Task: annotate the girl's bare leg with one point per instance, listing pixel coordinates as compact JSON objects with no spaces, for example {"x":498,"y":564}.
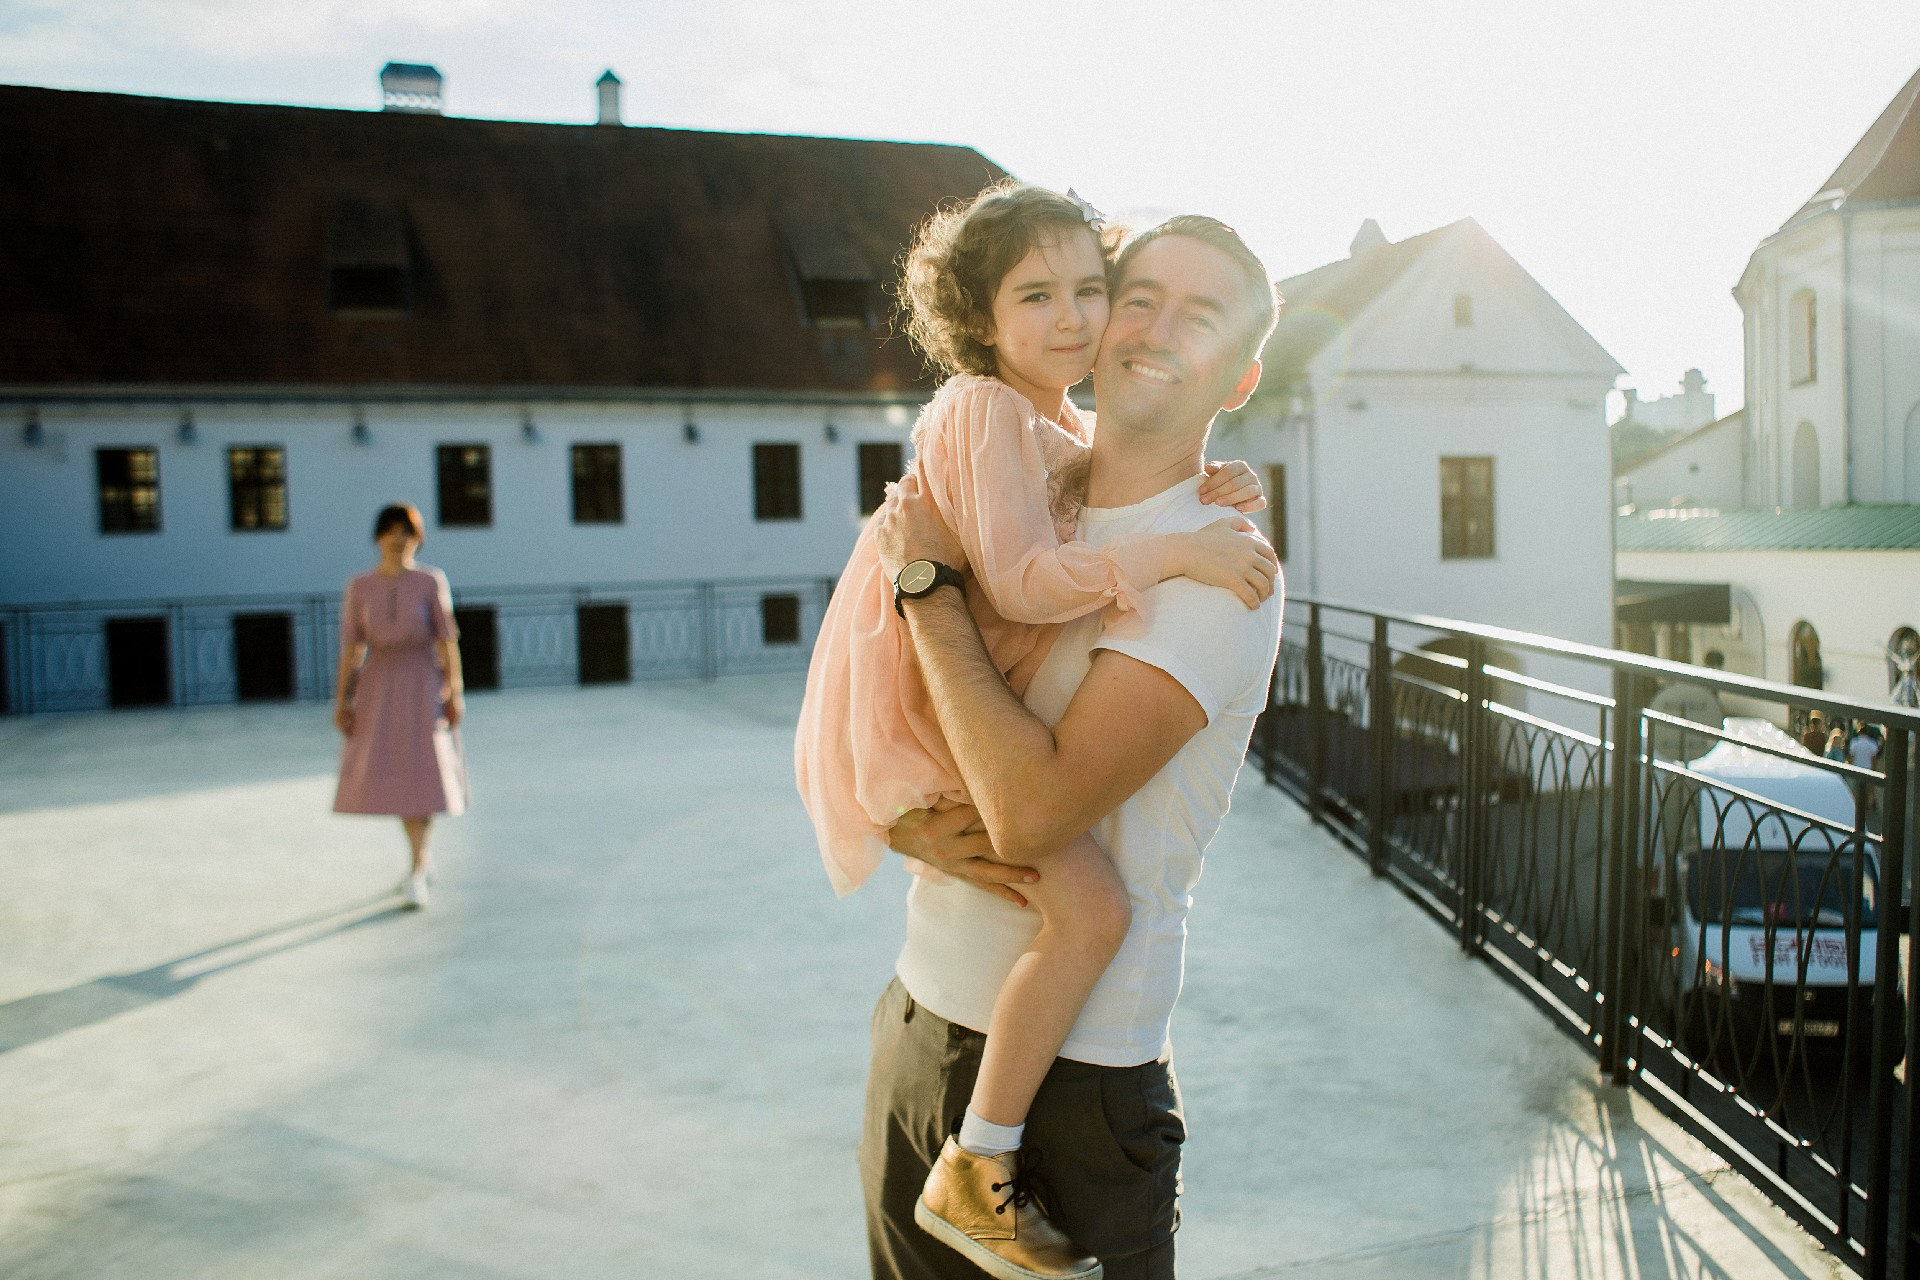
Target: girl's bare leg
{"x":417,"y":835}
{"x":1084,"y":917}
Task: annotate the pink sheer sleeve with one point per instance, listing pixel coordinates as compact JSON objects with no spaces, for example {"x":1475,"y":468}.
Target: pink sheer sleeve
{"x":980,"y":460}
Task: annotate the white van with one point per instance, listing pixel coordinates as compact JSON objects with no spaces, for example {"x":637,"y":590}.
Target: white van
{"x":1764,"y":898}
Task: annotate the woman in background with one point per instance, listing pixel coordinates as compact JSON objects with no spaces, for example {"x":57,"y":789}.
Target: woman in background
{"x":398,"y":697}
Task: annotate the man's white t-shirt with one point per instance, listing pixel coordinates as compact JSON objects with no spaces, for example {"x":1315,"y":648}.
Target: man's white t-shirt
{"x":962,"y":942}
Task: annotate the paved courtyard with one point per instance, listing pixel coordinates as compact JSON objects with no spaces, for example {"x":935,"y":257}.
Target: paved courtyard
{"x":628,"y":1038}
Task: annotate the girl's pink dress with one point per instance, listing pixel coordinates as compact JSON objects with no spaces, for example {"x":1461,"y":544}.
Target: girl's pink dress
{"x":868,"y":747}
{"x":401,"y":759}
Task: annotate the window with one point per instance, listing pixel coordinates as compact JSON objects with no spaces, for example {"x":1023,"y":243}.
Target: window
{"x":369,"y":265}
{"x":466,"y":485}
{"x":597,"y":497}
{"x":129,"y":490}
{"x":1462,"y":311}
{"x":605,"y":644}
{"x":834,"y":280}
{"x":881,"y":463}
{"x":776,"y":482}
{"x":479,"y":627}
{"x":1803,"y":331}
{"x":780,"y":619}
{"x":257,"y":487}
{"x":263,"y":656}
{"x":1466,"y":508}
{"x":1277,"y":507}
{"x":836,"y":304}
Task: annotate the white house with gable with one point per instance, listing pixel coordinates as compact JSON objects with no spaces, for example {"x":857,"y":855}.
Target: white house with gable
{"x":1435,"y":427}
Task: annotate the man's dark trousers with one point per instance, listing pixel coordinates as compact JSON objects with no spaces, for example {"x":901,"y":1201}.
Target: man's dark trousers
{"x":1108,"y":1139}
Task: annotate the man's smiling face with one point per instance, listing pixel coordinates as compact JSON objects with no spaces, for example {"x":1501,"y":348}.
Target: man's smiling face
{"x":1176,"y":346}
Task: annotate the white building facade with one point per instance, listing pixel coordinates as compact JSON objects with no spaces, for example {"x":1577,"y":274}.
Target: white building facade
{"x":638,"y":381}
{"x":1434,"y":423}
{"x":1801,"y":513}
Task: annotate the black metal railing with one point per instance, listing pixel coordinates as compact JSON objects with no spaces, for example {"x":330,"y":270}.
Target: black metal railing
{"x":1719,"y":914}
{"x":190,"y":652}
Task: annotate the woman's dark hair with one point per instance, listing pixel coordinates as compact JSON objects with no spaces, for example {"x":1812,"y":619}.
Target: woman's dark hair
{"x":399,"y":515}
{"x":958,"y":258}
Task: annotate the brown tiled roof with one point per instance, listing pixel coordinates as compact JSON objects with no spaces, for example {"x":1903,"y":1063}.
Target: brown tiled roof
{"x":156,"y":241}
{"x":1883,"y":165}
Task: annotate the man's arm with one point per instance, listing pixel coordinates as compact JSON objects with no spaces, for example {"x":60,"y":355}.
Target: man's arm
{"x":1037,"y":788}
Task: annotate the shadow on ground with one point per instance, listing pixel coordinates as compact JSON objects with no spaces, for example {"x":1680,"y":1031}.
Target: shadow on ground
{"x":50,"y":1013}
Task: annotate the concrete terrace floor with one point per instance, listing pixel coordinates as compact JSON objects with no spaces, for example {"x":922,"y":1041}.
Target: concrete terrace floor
{"x":628,"y":1038}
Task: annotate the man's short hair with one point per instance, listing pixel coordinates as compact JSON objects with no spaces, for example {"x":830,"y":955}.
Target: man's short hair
{"x":1260,"y":290}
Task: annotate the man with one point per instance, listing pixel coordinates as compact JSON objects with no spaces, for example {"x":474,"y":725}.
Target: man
{"x":1135,"y":733}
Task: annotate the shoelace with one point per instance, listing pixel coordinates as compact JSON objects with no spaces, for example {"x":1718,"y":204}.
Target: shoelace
{"x":1021,"y":1186}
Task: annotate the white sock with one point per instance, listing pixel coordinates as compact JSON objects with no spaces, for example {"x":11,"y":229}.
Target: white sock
{"x":985,"y":1139}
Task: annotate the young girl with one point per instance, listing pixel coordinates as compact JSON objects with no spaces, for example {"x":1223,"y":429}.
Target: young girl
{"x":1008,"y":295}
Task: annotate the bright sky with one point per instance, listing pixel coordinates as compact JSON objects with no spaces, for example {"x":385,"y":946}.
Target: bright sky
{"x":1630,"y":154}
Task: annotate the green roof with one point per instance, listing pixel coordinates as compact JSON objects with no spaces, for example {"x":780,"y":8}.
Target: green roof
{"x":1853,"y":528}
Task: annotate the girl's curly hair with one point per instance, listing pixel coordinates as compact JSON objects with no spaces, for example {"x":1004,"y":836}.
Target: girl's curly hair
{"x":958,"y":258}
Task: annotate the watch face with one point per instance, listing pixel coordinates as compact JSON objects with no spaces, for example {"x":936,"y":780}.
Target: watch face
{"x":917,"y":576}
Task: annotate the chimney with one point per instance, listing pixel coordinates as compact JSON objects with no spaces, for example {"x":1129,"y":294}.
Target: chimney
{"x":410,"y":87}
{"x":609,"y":86}
{"x":1369,"y":237}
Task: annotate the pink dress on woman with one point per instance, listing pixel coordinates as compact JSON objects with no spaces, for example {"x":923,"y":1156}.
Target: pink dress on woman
{"x":868,"y":747}
{"x":402,"y":758}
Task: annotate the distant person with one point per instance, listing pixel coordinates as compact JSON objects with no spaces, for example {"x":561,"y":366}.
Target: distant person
{"x":1864,"y":750}
{"x":1009,"y":296}
{"x":398,"y":698}
{"x":1814,"y":736}
{"x":1837,"y":745}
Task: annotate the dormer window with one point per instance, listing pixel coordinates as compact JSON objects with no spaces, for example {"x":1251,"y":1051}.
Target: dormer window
{"x":1463,"y":311}
{"x":369,"y":266}
{"x":830,"y":273}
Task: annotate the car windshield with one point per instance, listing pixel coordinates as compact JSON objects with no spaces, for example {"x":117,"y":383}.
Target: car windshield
{"x":1758,"y":887}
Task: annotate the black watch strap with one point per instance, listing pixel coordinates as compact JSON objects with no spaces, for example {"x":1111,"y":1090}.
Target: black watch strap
{"x":944,"y":575}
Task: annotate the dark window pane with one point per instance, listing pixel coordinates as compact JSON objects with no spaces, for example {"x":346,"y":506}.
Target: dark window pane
{"x":780,"y":619}
{"x":605,"y":650}
{"x":129,"y":484}
{"x":836,"y":304}
{"x":597,"y":495}
{"x":776,"y":482}
{"x":382,"y":290}
{"x":257,"y":487}
{"x":139,"y":671}
{"x":263,"y":655}
{"x":1466,"y":508}
{"x":479,"y":645}
{"x":881,"y":463}
{"x":466,"y":485}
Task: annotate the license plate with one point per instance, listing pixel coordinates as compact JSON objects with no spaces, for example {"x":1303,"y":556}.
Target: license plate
{"x":1811,"y":1027}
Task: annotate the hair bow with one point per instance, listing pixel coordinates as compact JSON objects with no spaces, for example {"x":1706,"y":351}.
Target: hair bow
{"x":1095,"y":219}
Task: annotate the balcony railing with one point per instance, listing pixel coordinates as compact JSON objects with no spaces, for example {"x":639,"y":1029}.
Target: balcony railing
{"x":1707,"y":919}
{"x":191,"y":652}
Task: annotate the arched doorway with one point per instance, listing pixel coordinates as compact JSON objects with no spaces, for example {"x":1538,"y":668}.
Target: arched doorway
{"x":1803,"y":656}
{"x":1903,"y":667}
{"x":1806,"y":467}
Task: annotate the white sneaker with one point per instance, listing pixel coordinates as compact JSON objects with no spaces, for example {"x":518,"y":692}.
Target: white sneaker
{"x":416,"y":891}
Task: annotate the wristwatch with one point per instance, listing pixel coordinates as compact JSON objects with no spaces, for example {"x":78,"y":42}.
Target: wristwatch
{"x":919,"y":578}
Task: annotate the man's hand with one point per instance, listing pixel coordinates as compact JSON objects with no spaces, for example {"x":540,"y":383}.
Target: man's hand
{"x":954,"y":841}
{"x":908,"y":527}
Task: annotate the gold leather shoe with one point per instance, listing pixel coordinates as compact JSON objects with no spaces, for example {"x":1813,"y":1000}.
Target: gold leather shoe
{"x":983,"y":1207}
